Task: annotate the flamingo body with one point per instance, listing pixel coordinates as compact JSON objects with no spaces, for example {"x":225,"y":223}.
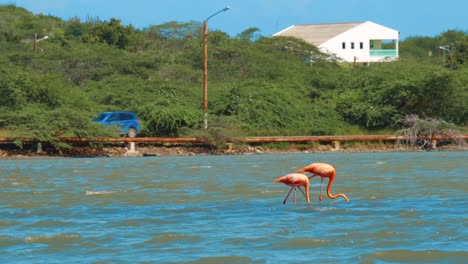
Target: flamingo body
{"x":323,"y":170}
{"x":295,"y":180}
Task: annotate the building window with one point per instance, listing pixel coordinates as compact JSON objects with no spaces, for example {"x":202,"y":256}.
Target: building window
{"x":352,"y":45}
{"x":371,"y":44}
{"x":343,"y":45}
{"x":361,"y":45}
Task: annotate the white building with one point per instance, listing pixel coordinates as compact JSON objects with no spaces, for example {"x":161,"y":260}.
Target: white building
{"x":352,"y":42}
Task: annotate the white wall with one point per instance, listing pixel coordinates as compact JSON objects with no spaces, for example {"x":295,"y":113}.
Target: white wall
{"x":362,"y":33}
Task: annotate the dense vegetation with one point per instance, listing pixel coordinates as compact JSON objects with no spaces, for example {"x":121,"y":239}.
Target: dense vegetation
{"x":257,"y":85}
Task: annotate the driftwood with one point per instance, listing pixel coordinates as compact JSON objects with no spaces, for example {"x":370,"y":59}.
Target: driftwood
{"x":422,"y":132}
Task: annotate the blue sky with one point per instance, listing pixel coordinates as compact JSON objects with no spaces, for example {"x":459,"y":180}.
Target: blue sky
{"x":410,"y":17}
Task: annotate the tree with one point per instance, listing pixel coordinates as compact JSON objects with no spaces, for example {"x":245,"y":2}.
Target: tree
{"x":249,"y":35}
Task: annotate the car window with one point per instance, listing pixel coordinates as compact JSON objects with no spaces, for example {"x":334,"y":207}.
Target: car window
{"x":113,"y":117}
{"x":100,"y":117}
{"x":126,"y":116}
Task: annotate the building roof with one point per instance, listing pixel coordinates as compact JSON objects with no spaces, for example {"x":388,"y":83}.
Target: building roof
{"x":317,"y":33}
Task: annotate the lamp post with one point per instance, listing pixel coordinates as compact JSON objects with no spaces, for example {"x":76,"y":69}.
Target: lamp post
{"x":448,"y":48}
{"x":37,"y":40}
{"x":205,"y":65}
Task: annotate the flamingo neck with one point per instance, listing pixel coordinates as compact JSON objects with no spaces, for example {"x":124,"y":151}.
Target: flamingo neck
{"x":330,"y":195}
{"x":307,"y":192}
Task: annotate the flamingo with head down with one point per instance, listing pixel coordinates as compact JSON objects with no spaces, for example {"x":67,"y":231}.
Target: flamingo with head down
{"x":295,"y":180}
{"x":323,"y":170}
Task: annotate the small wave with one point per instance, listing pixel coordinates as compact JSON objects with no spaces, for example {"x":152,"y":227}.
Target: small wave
{"x":300,"y":242}
{"x":184,"y":210}
{"x":224,"y":259}
{"x":27,"y":205}
{"x":244,"y":241}
{"x":4,"y":223}
{"x":50,"y":223}
{"x":389,"y":234}
{"x":55,"y":239}
{"x":407,"y":214}
{"x":426,"y":256}
{"x":271,"y":191}
{"x":98,"y":192}
{"x":172,"y":237}
{"x":321,"y":208}
{"x":201,"y":167}
{"x":6,"y":241}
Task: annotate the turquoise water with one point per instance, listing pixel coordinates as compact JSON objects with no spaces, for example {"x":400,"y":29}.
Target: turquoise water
{"x":404,"y":208}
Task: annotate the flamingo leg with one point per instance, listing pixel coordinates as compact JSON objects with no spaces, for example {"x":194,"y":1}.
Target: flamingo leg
{"x":302,"y":191}
{"x":286,"y":198}
{"x":294,"y":195}
{"x":321,"y":185}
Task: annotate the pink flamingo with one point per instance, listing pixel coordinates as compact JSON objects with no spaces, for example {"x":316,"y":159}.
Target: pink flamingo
{"x":323,"y":170}
{"x":295,"y":180}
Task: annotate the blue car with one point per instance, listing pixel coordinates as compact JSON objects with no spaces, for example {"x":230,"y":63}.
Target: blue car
{"x":128,"y":122}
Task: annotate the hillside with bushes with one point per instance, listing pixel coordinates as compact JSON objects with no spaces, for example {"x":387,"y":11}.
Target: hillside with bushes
{"x":258,"y":85}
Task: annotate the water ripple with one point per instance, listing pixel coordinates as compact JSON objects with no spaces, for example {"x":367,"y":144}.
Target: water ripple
{"x":299,"y":243}
{"x":426,"y":256}
{"x":168,"y":238}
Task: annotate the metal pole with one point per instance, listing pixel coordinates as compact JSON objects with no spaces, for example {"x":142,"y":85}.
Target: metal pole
{"x":205,"y":65}
{"x":205,"y":73}
{"x":443,"y":50}
{"x":450,"y":51}
{"x":37,"y":40}
{"x":451,"y":57}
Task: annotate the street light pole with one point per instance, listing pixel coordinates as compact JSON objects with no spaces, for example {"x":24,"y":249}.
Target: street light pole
{"x":205,"y":65}
{"x":37,"y":40}
{"x":449,"y":49}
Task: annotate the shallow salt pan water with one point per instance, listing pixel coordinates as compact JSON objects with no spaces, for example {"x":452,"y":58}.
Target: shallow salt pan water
{"x":404,"y":208}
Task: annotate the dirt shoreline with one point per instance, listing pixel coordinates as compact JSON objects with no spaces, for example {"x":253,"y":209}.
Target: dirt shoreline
{"x":29,"y":152}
